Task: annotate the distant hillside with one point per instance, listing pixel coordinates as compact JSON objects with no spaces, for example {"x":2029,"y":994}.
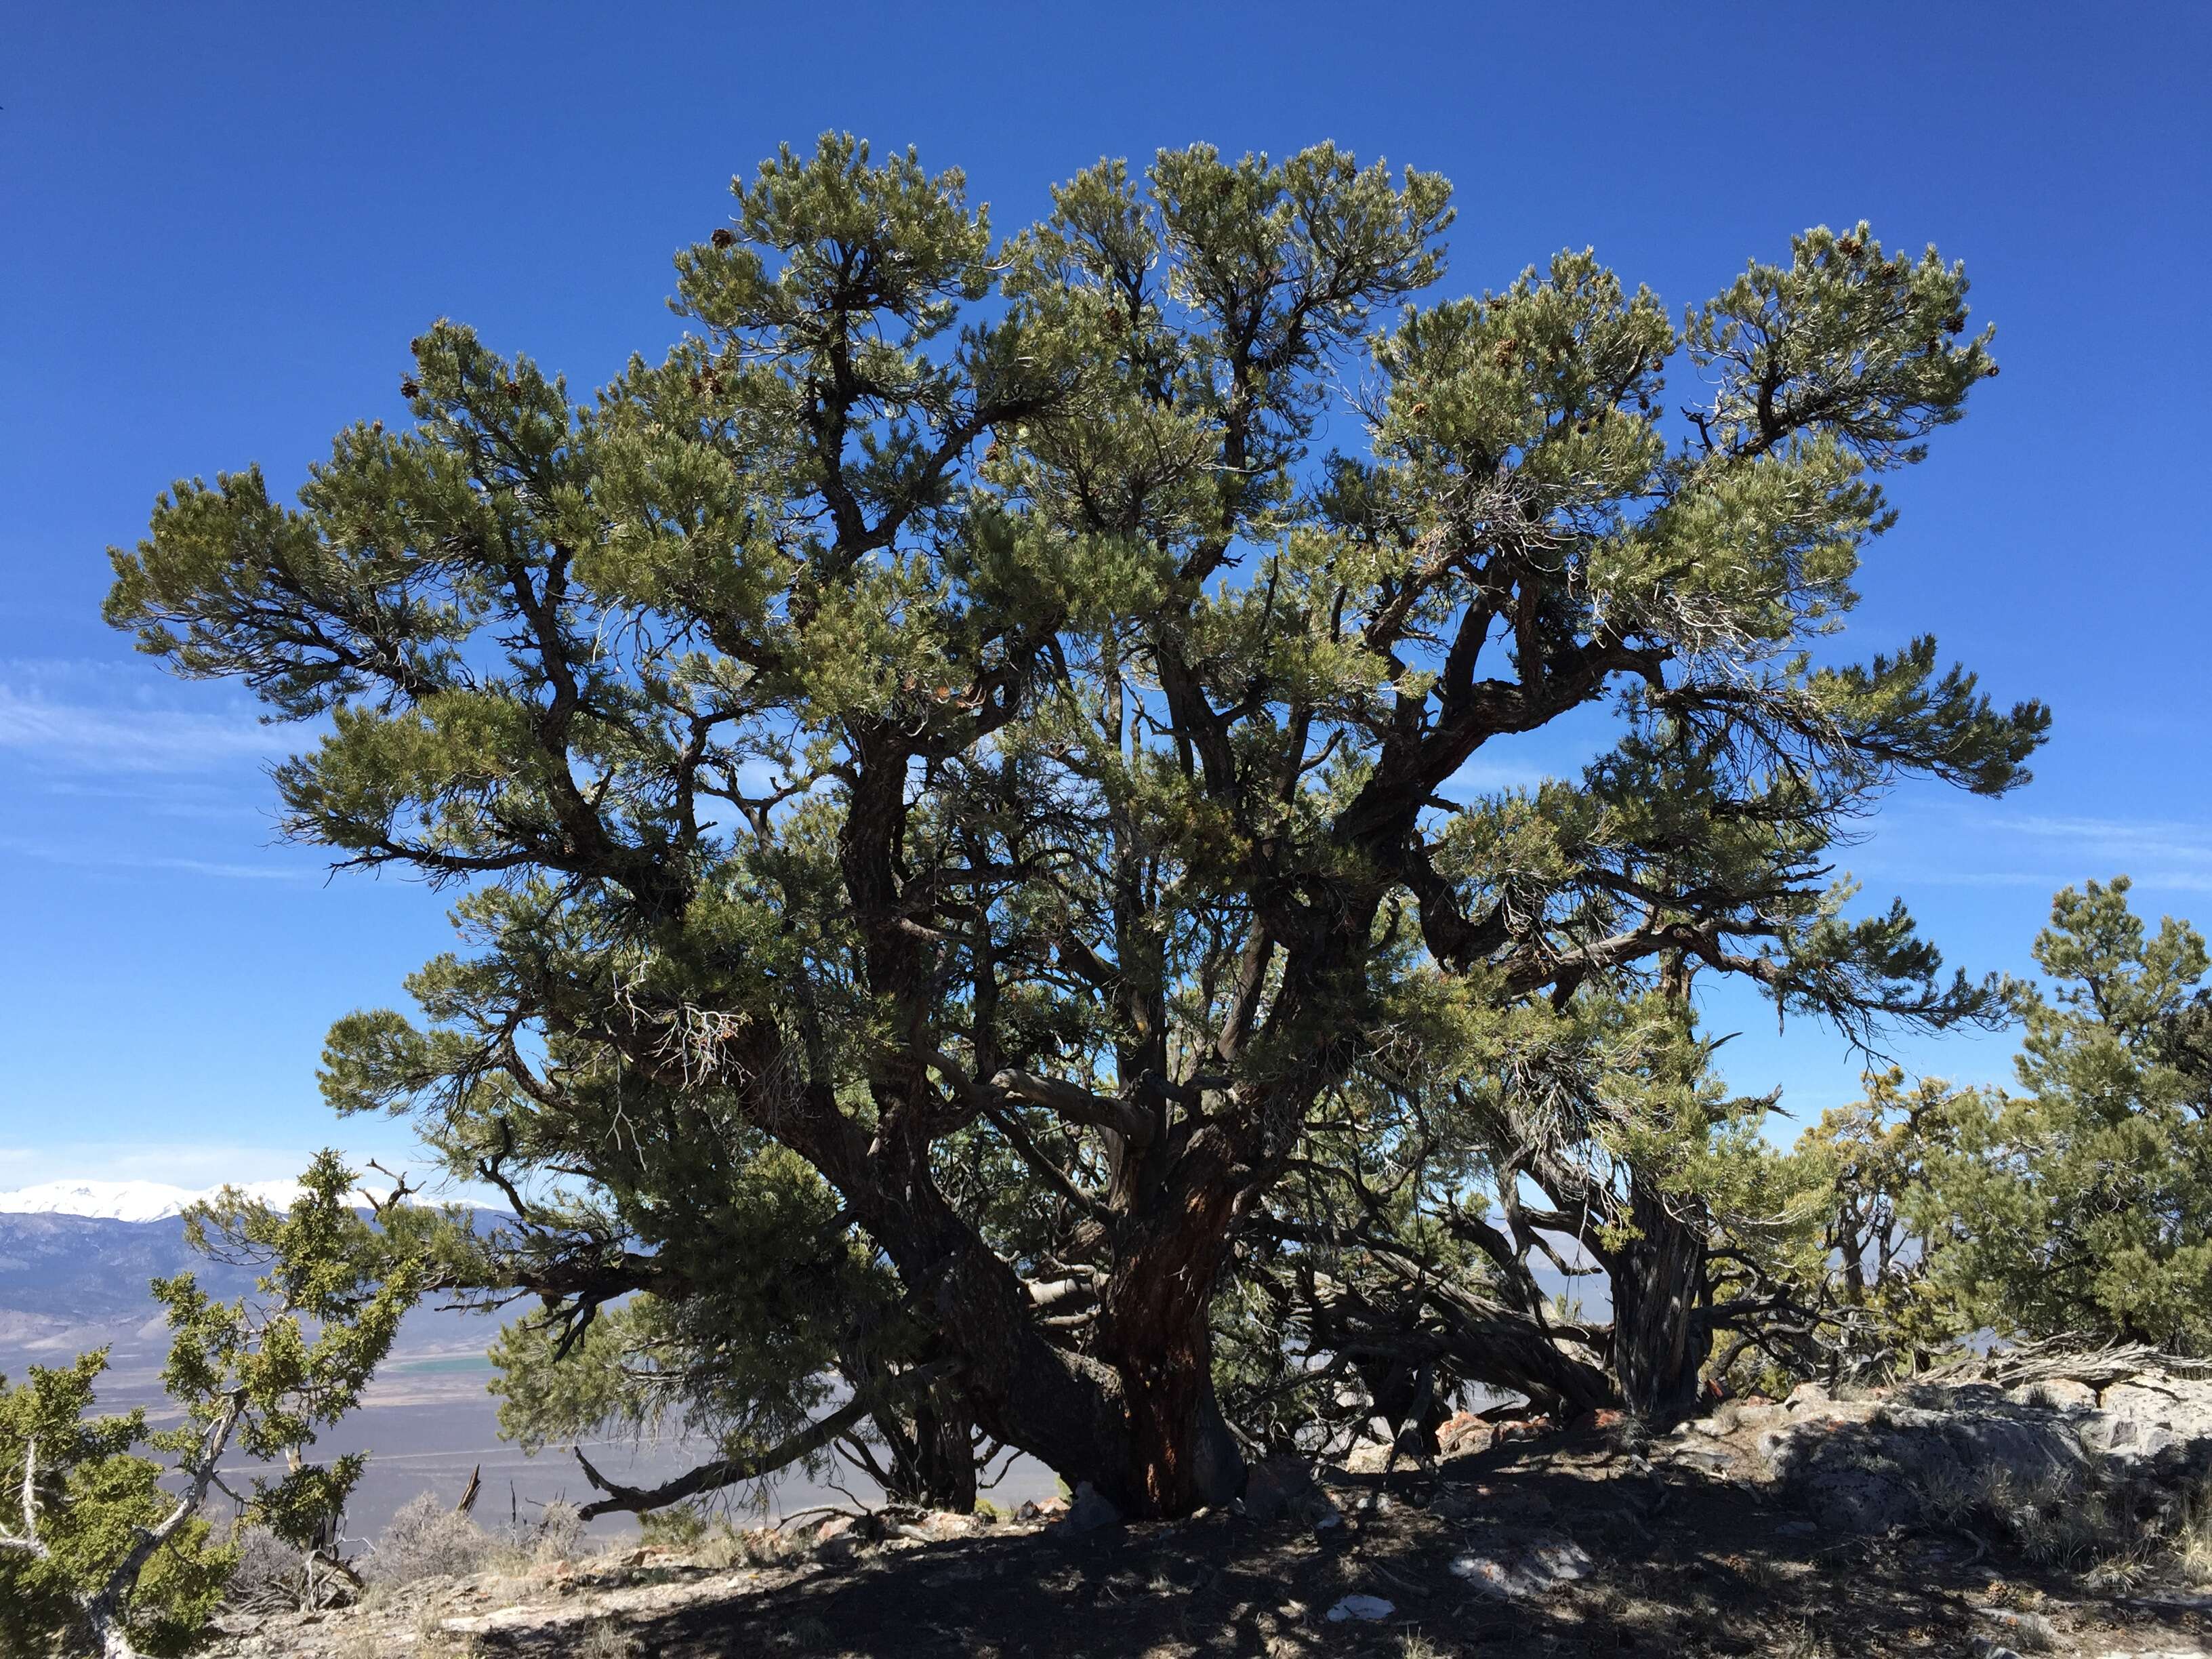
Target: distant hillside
{"x":72,"y":1283}
{"x":69,"y":1283}
{"x":95,"y":1269}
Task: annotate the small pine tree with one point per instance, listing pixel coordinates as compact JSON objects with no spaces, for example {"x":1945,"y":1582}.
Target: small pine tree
{"x":96,"y":1554}
{"x":2083,"y":1204}
{"x":78,"y":1496}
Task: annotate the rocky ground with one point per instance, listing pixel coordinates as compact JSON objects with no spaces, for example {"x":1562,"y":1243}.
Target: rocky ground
{"x":1985,"y":1515}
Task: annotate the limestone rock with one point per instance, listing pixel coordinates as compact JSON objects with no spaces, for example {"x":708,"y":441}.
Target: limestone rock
{"x":1525,"y":1428}
{"x":1455,"y":1503}
{"x":1282,"y":1486}
{"x":1370,"y":1458}
{"x":1806,"y":1397}
{"x":837,"y":1539}
{"x":1526,"y":1568}
{"x":2031,"y":1633}
{"x":1724,"y":1420}
{"x":1713,"y":1461}
{"x":1090,"y":1511}
{"x":2164,"y":1421}
{"x":2059,"y":1394}
{"x":1868,"y":1467}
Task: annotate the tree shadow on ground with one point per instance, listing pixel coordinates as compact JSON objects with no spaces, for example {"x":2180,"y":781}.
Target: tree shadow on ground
{"x":1649,"y":1559}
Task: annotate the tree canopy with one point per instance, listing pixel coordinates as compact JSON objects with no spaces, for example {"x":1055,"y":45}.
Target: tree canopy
{"x":971,"y":875}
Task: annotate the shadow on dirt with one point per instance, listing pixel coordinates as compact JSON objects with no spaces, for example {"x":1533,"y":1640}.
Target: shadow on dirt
{"x":1568,"y":1549}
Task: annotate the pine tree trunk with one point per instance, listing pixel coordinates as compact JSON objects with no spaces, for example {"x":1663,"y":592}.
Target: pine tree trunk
{"x":1134,"y":1415}
{"x":1155,"y":1333}
{"x":1180,"y":1455}
{"x":937,"y":1468}
{"x":1661,"y":1337}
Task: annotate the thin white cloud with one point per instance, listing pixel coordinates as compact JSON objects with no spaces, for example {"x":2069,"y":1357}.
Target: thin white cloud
{"x":166,"y":795}
{"x":2182,"y":846}
{"x":84,"y":736}
{"x":79,"y":857}
{"x":2046,"y":851}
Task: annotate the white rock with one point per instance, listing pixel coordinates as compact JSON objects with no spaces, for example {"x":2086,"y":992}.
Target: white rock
{"x":1090,"y":1510}
{"x":1367,"y":1608}
{"x":2030,"y":1632}
{"x":1526,"y":1570}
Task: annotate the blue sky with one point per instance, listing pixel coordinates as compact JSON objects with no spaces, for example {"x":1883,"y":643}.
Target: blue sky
{"x":223,"y":223}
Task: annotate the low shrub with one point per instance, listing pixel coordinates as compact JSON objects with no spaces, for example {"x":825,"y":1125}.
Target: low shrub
{"x":427,"y":1539}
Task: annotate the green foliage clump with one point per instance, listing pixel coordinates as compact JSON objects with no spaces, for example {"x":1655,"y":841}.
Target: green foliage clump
{"x":1838,"y":1284}
{"x":2082,"y":1203}
{"x":100,"y":1552}
{"x":76,"y":1484}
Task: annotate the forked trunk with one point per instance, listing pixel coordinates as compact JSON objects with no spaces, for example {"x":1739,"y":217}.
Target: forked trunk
{"x":1134,"y":1413}
{"x":933,"y":1459}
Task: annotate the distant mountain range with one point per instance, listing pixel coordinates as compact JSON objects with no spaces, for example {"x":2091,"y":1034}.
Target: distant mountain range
{"x":76,"y":1259}
{"x":74,"y":1269}
{"x":72,"y":1283}
{"x":129,"y":1200}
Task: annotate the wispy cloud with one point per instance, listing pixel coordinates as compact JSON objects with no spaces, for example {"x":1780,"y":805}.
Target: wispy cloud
{"x":2047,"y":851}
{"x":2176,"y":847}
{"x":90,"y":737}
{"x":81,"y":857}
{"x":164,"y":795}
{"x":107,"y":771}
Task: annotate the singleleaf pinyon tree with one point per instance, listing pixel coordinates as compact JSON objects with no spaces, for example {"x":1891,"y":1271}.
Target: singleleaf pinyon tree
{"x":946,"y":720}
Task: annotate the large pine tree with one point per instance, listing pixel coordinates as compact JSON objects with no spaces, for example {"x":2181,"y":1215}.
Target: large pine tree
{"x":940,"y":761}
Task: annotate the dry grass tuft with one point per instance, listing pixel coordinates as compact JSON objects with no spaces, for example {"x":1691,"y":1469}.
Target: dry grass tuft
{"x":606,"y":1639}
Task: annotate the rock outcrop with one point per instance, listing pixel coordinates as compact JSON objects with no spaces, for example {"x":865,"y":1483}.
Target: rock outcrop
{"x":2132,"y":1432}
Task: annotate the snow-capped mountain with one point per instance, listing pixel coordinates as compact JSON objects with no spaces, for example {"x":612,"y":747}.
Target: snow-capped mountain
{"x":128,"y":1201}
